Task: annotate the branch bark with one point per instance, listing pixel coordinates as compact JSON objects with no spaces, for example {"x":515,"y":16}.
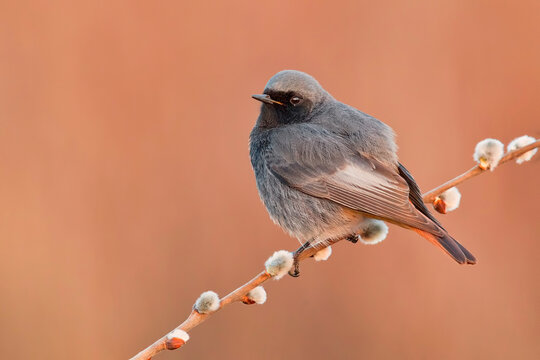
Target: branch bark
{"x":195,"y":318}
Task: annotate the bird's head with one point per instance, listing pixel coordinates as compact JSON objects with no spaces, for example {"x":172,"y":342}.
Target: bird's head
{"x":290,"y":97}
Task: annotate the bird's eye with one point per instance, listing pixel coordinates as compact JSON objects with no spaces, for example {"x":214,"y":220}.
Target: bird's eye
{"x":295,"y":100}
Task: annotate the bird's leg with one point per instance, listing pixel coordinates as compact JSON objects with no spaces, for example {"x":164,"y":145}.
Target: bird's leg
{"x":295,"y":271}
{"x":352,"y":238}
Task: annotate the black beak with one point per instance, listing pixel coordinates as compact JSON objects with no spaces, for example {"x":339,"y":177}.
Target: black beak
{"x":266,"y":99}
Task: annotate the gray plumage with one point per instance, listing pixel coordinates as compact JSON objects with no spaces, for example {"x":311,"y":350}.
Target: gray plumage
{"x":321,"y":166}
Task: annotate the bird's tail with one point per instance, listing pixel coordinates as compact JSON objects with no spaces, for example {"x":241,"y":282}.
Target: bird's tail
{"x":450,"y":246}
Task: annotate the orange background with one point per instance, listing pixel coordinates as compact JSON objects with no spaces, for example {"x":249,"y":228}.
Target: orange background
{"x":126,"y":188}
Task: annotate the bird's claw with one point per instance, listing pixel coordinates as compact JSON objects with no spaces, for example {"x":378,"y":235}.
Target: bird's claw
{"x":295,"y":270}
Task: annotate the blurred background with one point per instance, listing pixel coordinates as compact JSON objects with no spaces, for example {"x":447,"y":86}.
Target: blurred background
{"x":126,"y":188}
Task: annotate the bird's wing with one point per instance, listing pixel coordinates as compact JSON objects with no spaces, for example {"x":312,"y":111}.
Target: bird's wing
{"x":415,"y":195}
{"x":324,"y":170}
{"x":324,"y":166}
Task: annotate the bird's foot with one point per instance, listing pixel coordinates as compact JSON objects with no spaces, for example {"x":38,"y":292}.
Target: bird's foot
{"x":352,"y":238}
{"x":295,"y":270}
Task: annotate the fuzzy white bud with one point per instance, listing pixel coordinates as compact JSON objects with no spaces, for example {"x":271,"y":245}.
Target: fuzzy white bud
{"x":488,"y":153}
{"x":520,"y":142}
{"x":451,"y":198}
{"x":257,"y":295}
{"x":176,"y":339}
{"x":324,"y":254}
{"x":279,"y":263}
{"x":178,"y":334}
{"x":372,"y":231}
{"x":206,"y":303}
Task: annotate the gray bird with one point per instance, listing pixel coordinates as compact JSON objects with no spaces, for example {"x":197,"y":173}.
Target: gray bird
{"x":322,"y":166}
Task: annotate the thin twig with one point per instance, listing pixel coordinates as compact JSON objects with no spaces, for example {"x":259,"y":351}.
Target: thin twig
{"x":430,"y":196}
{"x":195,"y":318}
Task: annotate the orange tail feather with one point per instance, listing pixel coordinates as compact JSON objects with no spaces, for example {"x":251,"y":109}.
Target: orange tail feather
{"x":450,"y":246}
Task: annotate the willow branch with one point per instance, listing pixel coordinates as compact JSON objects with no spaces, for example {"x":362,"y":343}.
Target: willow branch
{"x":430,"y":196}
{"x":239,"y":295}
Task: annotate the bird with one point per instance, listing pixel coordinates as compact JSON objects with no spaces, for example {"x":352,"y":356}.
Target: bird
{"x":322,"y":167}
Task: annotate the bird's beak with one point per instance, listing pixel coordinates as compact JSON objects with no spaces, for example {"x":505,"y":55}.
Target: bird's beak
{"x":266,"y":99}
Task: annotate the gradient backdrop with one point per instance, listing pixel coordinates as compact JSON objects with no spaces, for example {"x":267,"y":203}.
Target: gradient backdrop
{"x":126,"y":188}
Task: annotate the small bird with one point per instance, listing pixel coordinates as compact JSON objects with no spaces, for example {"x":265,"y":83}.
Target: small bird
{"x":322,"y":166}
